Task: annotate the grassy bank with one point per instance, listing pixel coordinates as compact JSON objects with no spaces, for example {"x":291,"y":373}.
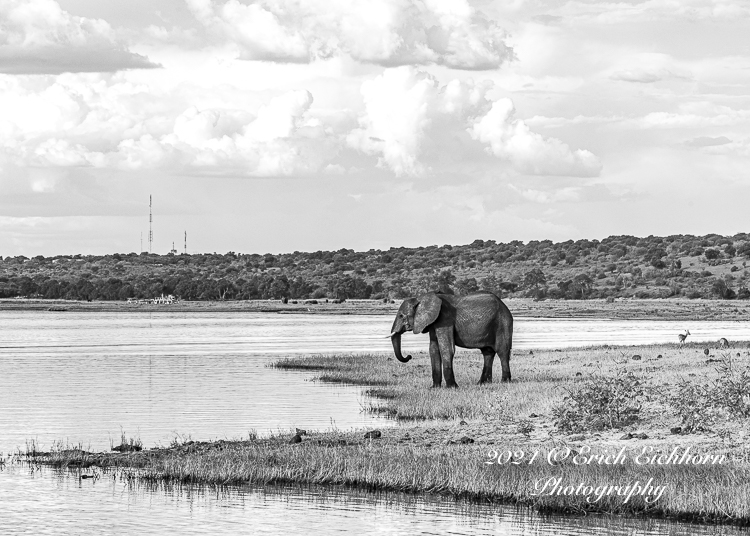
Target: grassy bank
{"x":447,"y":437}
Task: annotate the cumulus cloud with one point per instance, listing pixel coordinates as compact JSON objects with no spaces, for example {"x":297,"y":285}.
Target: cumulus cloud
{"x":92,"y":123}
{"x":385,"y":32}
{"x":401,"y":107}
{"x":39,"y":37}
{"x":406,"y":109}
{"x":530,"y":153}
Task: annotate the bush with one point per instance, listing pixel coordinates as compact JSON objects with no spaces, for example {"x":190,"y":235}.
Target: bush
{"x":691,"y":403}
{"x":602,"y":403}
{"x":731,"y":390}
{"x":700,"y":405}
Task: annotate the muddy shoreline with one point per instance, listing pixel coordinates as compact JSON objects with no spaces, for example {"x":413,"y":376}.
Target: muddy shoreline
{"x":620,"y":309}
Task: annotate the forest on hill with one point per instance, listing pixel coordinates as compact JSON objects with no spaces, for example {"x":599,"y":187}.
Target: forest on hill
{"x":711,"y":266}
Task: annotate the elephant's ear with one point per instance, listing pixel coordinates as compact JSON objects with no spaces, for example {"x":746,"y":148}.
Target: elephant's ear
{"x":427,"y":312}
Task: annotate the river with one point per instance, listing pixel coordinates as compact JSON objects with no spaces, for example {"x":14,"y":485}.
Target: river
{"x":85,"y":379}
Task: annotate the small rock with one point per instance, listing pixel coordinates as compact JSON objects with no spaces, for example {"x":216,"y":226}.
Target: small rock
{"x":533,"y":416}
{"x":676,"y":429}
{"x":636,"y":357}
{"x":658,"y":356}
{"x":463,"y":423}
{"x":627,"y":436}
{"x":579,"y":374}
{"x":373,"y":434}
{"x":465,"y":440}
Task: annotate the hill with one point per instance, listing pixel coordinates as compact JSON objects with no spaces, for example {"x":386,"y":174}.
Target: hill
{"x":711,"y":266}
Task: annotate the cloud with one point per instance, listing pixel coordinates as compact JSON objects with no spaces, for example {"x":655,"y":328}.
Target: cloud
{"x":398,"y":105}
{"x":706,"y":141}
{"x":384,"y":32}
{"x":530,"y":153}
{"x":653,"y":10}
{"x":571,"y":193}
{"x":406,"y":108}
{"x":38,"y":37}
{"x":692,"y":115}
{"x":87,"y":121}
{"x":640,"y":76}
{"x":408,"y":115}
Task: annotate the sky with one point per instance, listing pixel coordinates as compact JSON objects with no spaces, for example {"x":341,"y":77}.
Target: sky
{"x":283,"y":125}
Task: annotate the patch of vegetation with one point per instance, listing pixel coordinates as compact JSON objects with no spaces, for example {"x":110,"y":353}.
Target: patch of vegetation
{"x":617,"y":266}
{"x":691,"y":403}
{"x":602,"y":402}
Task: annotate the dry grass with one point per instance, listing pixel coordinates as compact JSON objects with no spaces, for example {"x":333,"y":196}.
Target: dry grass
{"x":708,"y":493}
{"x":542,"y":378}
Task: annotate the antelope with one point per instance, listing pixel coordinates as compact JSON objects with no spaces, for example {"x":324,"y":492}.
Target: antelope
{"x":682,"y":336}
{"x":723,"y":343}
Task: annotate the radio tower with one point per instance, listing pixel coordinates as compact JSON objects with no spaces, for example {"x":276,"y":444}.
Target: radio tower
{"x":185,"y":242}
{"x":150,"y":220}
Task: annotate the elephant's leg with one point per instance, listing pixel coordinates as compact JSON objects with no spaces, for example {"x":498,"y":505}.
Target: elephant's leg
{"x":489,"y":358}
{"x":447,"y":350}
{"x":503,"y":352}
{"x":437,"y":371}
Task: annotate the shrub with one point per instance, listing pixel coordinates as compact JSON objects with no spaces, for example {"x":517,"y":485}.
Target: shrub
{"x":731,"y":390}
{"x":691,"y":403}
{"x":602,"y":403}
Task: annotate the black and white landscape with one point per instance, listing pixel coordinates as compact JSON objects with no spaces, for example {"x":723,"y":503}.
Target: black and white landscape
{"x":213,"y":213}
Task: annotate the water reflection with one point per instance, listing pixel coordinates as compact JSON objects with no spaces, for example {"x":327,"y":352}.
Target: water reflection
{"x":114,"y":504}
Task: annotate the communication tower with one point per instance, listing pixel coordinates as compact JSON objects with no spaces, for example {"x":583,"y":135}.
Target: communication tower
{"x":185,"y":242}
{"x":150,"y":221}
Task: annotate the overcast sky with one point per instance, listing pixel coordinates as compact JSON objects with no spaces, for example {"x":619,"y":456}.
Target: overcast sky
{"x":282,"y":125}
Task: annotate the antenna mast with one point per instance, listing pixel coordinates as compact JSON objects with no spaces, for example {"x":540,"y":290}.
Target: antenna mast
{"x":150,"y":220}
{"x":185,"y":242}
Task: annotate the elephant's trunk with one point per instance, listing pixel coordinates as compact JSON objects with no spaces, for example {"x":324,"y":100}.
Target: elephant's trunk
{"x":396,"y":340}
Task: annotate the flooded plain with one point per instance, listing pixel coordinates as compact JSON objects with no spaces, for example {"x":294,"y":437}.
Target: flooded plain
{"x":85,"y":379}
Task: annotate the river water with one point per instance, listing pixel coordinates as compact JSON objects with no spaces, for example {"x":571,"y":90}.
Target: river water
{"x":85,"y":379}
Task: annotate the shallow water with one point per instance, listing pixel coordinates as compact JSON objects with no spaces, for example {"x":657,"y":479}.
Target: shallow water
{"x":85,"y":379}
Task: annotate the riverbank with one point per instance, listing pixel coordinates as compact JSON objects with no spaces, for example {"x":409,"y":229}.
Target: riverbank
{"x":620,"y":309}
{"x":540,"y":443}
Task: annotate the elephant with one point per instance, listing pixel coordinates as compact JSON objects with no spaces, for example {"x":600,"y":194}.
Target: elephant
{"x":478,"y":320}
